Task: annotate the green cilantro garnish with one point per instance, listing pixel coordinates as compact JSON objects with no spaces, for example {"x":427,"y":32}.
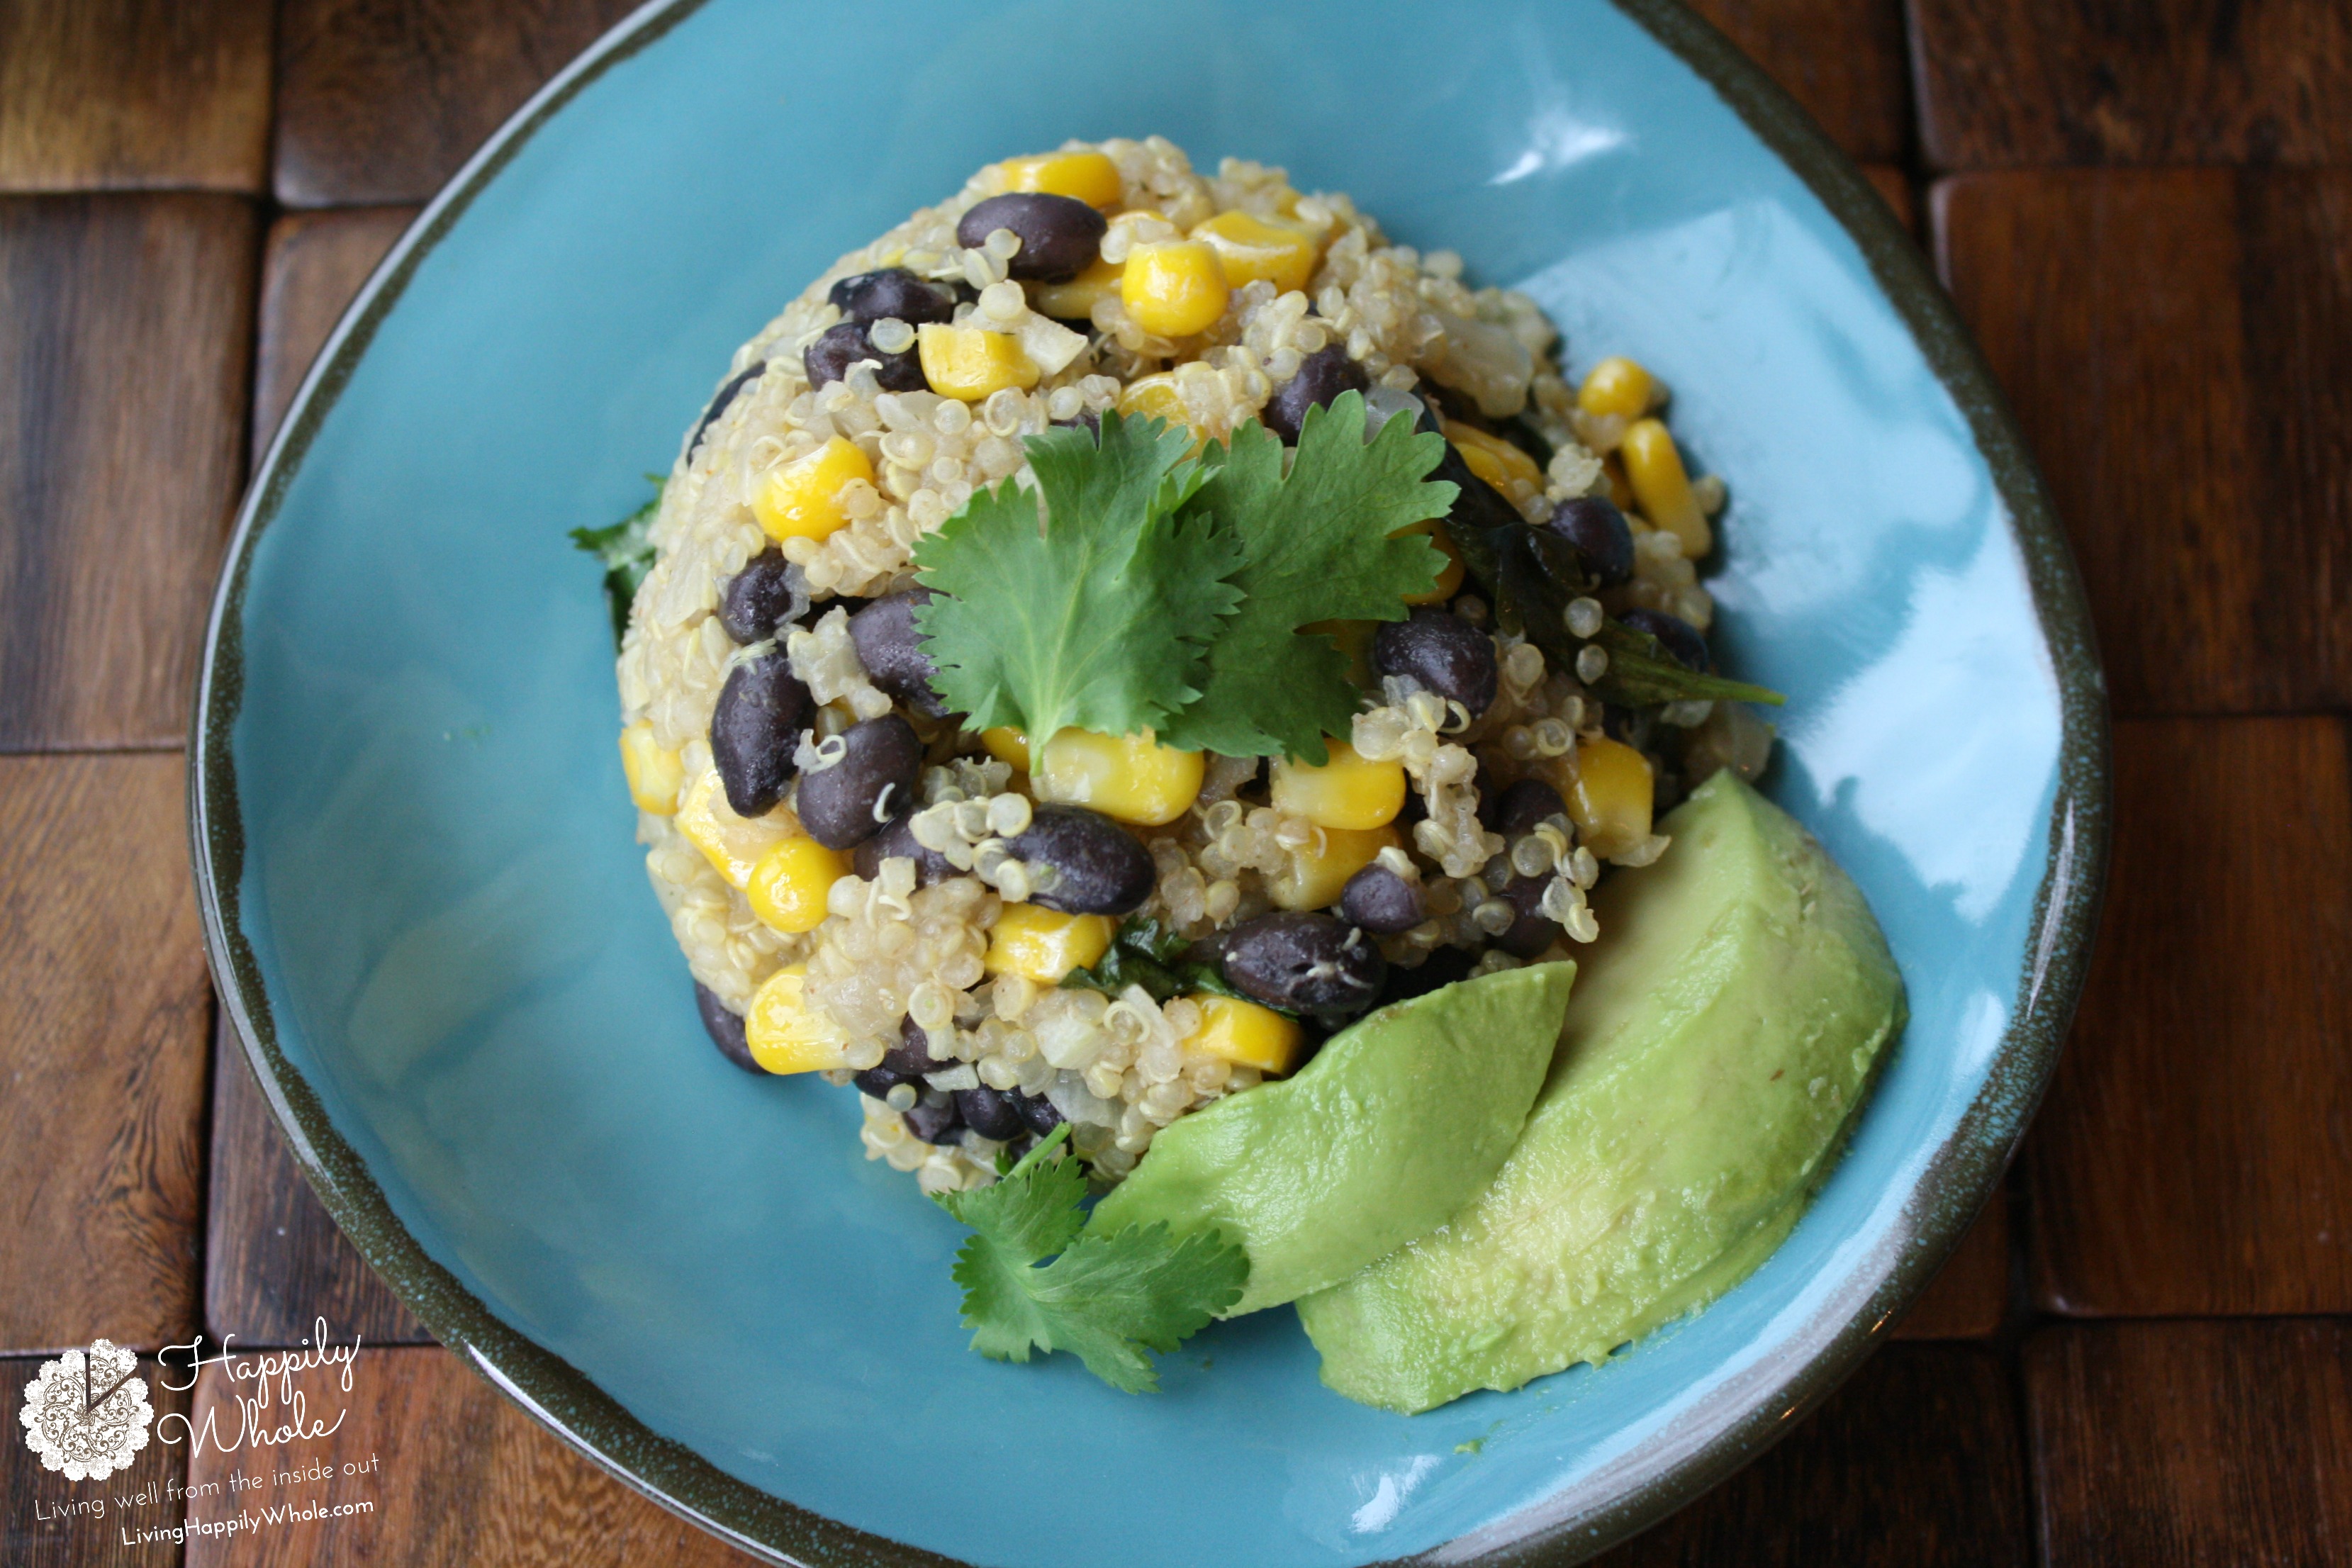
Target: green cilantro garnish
{"x":1321,"y":545}
{"x":626,"y":550}
{"x":1098,"y":613}
{"x":1105,"y":1298}
{"x":1147,"y":954}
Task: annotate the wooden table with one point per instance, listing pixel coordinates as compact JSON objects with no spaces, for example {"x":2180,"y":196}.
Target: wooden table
{"x":2140,"y":1354}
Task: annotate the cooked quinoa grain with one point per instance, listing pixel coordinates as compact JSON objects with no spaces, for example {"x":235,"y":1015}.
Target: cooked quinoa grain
{"x":1480,"y":794}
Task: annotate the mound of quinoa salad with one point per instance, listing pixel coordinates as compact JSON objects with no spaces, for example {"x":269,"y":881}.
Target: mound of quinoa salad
{"x":860,"y":657}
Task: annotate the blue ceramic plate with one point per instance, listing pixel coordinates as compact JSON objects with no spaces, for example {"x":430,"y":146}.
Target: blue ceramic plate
{"x":435,"y":939}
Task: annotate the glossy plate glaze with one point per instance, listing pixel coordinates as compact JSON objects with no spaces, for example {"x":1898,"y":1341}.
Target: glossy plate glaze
{"x":435,"y":938}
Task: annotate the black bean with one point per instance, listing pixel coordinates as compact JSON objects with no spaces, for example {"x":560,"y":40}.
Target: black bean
{"x":1322,"y":377}
{"x":1083,"y":863}
{"x":1060,"y":235}
{"x":894,"y":294}
{"x":1522,"y":807}
{"x":1681,"y":640}
{"x":1304,"y":962}
{"x":762,"y":709}
{"x":991,"y":1113}
{"x":1036,"y":1111}
{"x":891,"y":650}
{"x":850,"y":801}
{"x":1631,"y":725}
{"x":896,"y":841}
{"x":725,"y":395}
{"x":912,"y":1055}
{"x":837,"y":347}
{"x":1443,"y":966}
{"x":1597,"y":531}
{"x":760,"y":600}
{"x":879,"y":1081}
{"x":725,"y":1026}
{"x":933,"y":1119}
{"x":1444,"y":652}
{"x":1088,"y":420}
{"x":1380,"y":901}
{"x":1414,"y":809}
{"x":1532,"y":932}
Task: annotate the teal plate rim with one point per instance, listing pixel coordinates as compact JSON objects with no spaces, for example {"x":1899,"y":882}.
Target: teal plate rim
{"x":1966,"y":1169}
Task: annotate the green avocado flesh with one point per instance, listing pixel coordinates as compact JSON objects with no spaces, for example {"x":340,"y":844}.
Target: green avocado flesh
{"x":1398,"y":1121}
{"x":1731,"y":1014}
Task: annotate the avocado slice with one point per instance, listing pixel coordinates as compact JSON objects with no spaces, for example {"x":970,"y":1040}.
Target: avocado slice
{"x":1398,"y":1121}
{"x":1732,"y":1012}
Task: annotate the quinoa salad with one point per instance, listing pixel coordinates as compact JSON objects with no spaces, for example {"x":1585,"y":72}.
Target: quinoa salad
{"x":897,"y":837}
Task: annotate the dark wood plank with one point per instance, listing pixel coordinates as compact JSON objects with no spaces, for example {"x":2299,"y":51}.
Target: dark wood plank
{"x":1842,"y":59}
{"x":1969,"y":1297}
{"x":124,"y":337}
{"x":274,"y":1260}
{"x":2011,"y":83}
{"x":2192,"y":1444}
{"x":104,"y":1011}
{"x":380,"y":100}
{"x":134,"y":94}
{"x":1913,"y":1463}
{"x":2192,"y":1155}
{"x":1895,"y":185}
{"x":2176,"y":344}
{"x":315,"y":262}
{"x":459,"y":1476}
{"x":46,"y":1521}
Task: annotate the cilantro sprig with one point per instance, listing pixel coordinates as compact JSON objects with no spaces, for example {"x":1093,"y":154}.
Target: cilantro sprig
{"x":627,"y":549}
{"x":1137,"y":588}
{"x":1147,"y":954}
{"x":1105,"y":1298}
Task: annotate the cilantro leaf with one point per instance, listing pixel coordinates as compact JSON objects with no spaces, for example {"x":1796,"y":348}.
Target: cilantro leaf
{"x":1096,"y":614}
{"x":1148,"y":954}
{"x":1317,"y":547}
{"x":627,"y":551}
{"x":1106,"y":1299}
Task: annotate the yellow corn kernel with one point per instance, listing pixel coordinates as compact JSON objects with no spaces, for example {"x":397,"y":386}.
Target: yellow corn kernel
{"x":1130,"y":777}
{"x":967,"y":364}
{"x":1091,"y":177}
{"x":785,"y":1034}
{"x":1075,"y":300}
{"x":1042,"y":945}
{"x":1318,"y":874}
{"x":1610,"y":799}
{"x":1250,"y":248}
{"x":789,"y":886}
{"x":1355,"y":640}
{"x":1620,"y":488}
{"x":733,"y":844}
{"x":655,"y":772}
{"x":1347,"y":792}
{"x":1663,"y":487}
{"x":1175,"y":288}
{"x":1156,"y":396}
{"x":1618,"y":387}
{"x":1494,"y":459}
{"x":1006,"y":744}
{"x":1449,"y":581}
{"x":1243,"y":1033}
{"x":802,"y":499}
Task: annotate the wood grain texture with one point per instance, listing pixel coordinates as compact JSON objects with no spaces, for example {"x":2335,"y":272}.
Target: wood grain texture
{"x":2017,"y":83}
{"x":134,"y":94}
{"x":275,"y":1262}
{"x":36,"y":1528}
{"x":125,"y":331}
{"x":314,"y":263}
{"x":2192,"y":1156}
{"x":1895,"y":185}
{"x":1914,"y":1463}
{"x":380,"y":100}
{"x":2176,"y":343}
{"x":1969,"y":1297}
{"x":459,"y":1476}
{"x":2192,"y":1444}
{"x":104,"y":1011}
{"x":1842,"y":59}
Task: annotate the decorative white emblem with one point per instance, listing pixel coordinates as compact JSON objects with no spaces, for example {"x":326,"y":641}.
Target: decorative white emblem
{"x":85,"y":1413}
